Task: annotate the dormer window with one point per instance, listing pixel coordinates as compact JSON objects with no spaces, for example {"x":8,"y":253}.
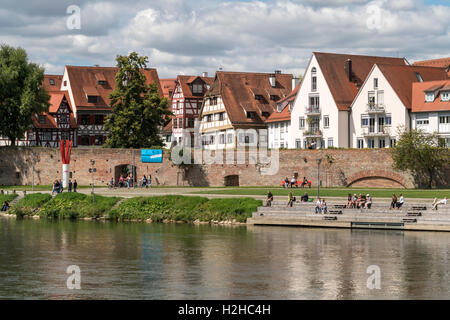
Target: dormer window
{"x":445,"y":96}
{"x":279,"y":107}
{"x":251,"y":114}
{"x":419,"y":77}
{"x":42,"y":119}
{"x":52,"y":82}
{"x":265,"y":114}
{"x":274,"y":97}
{"x":92,"y":99}
{"x":101,"y":80}
{"x":197,"y":88}
{"x":429,"y":96}
{"x":259,"y":97}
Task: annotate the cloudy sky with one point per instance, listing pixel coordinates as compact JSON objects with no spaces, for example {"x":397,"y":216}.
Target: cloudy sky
{"x":193,"y":36}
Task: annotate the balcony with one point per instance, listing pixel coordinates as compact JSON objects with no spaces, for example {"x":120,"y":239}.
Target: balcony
{"x":375,"y":108}
{"x":371,"y":132}
{"x":313,"y":111}
{"x":313,"y":133}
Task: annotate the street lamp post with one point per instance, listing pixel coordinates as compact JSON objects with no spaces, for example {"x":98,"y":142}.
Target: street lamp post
{"x":92,"y":170}
{"x":319,"y":161}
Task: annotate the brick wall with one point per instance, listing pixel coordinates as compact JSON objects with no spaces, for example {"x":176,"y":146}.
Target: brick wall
{"x":368,"y":168}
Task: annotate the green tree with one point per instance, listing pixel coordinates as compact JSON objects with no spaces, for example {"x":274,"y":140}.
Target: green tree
{"x":21,"y":93}
{"x":421,"y":154}
{"x":138,"y":110}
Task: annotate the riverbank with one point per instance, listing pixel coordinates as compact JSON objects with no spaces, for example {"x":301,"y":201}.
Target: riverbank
{"x":167,"y":209}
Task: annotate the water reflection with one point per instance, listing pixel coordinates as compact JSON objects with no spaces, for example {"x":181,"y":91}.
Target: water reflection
{"x":140,"y":261}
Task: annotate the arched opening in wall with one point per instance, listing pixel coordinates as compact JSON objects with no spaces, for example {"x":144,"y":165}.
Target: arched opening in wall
{"x":376,"y":182}
{"x":124,"y":170}
{"x":231,"y":181}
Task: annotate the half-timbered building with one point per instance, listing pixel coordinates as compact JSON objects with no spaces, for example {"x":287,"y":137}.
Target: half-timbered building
{"x":187,"y":101}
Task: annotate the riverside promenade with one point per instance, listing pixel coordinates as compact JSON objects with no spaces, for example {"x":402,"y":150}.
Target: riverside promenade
{"x":414,"y":216}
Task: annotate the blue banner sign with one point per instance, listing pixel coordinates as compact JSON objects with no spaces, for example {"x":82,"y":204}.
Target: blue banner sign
{"x":151,"y":156}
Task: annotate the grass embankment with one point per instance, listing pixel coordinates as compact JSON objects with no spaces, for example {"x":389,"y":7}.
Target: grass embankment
{"x":44,"y":187}
{"x":7,"y":197}
{"x":64,"y":206}
{"x":331,"y":192}
{"x":185,"y":209}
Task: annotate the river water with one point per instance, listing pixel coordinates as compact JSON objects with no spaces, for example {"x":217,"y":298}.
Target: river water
{"x":164,"y":261}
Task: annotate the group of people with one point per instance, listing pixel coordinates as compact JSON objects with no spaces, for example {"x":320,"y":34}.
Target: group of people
{"x":57,"y":186}
{"x":128,"y":181}
{"x":286,"y":183}
{"x":397,"y":203}
{"x":321,"y":206}
{"x":359,"y":202}
{"x":291,"y":199}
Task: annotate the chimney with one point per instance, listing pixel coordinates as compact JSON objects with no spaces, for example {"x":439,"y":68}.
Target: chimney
{"x":295,"y":82}
{"x":273,"y":80}
{"x":205,"y":74}
{"x":348,"y":68}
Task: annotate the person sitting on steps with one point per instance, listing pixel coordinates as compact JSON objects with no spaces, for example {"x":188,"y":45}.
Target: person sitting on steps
{"x":269,"y":199}
{"x":5,"y":206}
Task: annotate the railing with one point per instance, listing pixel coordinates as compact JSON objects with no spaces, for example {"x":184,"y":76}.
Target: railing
{"x":311,"y":133}
{"x":376,"y":108}
{"x":313,"y":111}
{"x":370,"y":132}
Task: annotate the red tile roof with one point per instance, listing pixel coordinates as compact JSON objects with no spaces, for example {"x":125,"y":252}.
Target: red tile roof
{"x":167,"y":86}
{"x":84,"y":80}
{"x":235,"y":89}
{"x":418,"y":96}
{"x":185,"y":82}
{"x":438,"y":63}
{"x":333,"y":69}
{"x":57,"y":80}
{"x":401,"y":79}
{"x":285,"y":114}
{"x":56,"y":98}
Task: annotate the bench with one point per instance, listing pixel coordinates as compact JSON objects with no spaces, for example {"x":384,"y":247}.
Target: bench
{"x":340,"y":206}
{"x":330,"y":218}
{"x":418,"y":208}
{"x":410,"y":220}
{"x":414,"y":214}
{"x":335,"y":212}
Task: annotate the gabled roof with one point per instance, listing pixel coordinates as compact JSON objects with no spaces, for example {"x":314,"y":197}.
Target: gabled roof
{"x":235,"y":89}
{"x":186,"y":81}
{"x":84,"y":81}
{"x":401,"y":79}
{"x":285,"y":114}
{"x":418,"y":96}
{"x":168,"y":86}
{"x":56,"y":98}
{"x":56,"y":79}
{"x":168,"y":128}
{"x":333,"y":69}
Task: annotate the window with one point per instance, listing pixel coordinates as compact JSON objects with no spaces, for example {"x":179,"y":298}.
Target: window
{"x":326,"y":121}
{"x":168,"y":138}
{"x":330,"y":142}
{"x":47,"y":136}
{"x":422,"y":122}
{"x":65,"y":135}
{"x":360,"y":143}
{"x":99,"y":119}
{"x":222,"y":138}
{"x":301,"y":123}
{"x":364,"y":122}
{"x":298,"y":144}
{"x":178,"y":105}
{"x":52,"y":82}
{"x":92,"y":99}
{"x":282,"y":128}
{"x":101,"y":82}
{"x":65,"y":83}
{"x":314,"y":79}
{"x":380,"y":97}
{"x":388,"y":121}
{"x":258,"y":97}
{"x":197,"y":88}
{"x":375,"y":83}
{"x":393,"y":142}
{"x":371,"y":143}
{"x":265,"y":114}
{"x":191,"y":122}
{"x":85,"y":120}
{"x":444,"y":119}
{"x":429,"y":97}
{"x":381,"y":143}
{"x":314,"y":102}
{"x":98,"y":141}
{"x":211,"y":139}
{"x":371,"y":98}
{"x":175,"y":124}
{"x":221,"y":116}
{"x":251,"y":115}
{"x":85,"y":140}
{"x":445,"y":96}
{"x":230,"y":138}
{"x":42,"y":119}
{"x":180,"y":123}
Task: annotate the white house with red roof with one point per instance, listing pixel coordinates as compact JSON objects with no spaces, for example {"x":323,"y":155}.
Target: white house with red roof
{"x":384,"y":102}
{"x":431,"y":108}
{"x":321,"y":116}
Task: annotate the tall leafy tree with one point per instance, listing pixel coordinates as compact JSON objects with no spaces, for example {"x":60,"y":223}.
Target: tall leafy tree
{"x":21,"y":93}
{"x":138,"y":110}
{"x":421,"y":154}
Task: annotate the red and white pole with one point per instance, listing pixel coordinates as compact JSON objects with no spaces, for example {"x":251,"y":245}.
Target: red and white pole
{"x":66,"y":149}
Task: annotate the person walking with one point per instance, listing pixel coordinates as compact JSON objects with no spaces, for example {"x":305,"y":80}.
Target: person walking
{"x":318,"y":206}
{"x":70,"y":186}
{"x":291,"y":200}
{"x":149,"y":181}
{"x":75,"y":185}
{"x":269,"y":199}
{"x":61,"y":189}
